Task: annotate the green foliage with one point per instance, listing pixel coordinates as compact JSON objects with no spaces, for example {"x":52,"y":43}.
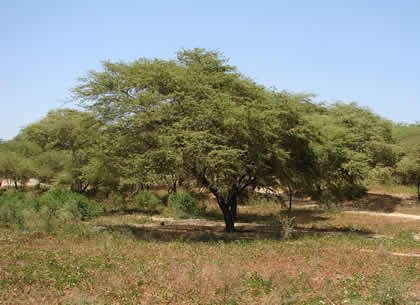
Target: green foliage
{"x":52,"y":166}
{"x":147,"y":200}
{"x":77,"y":205}
{"x":183,"y":204}
{"x":15,"y":210}
{"x":382,"y":175}
{"x":67,"y":138}
{"x":51,"y":209}
{"x":259,"y":285}
{"x":353,"y":142}
{"x":407,"y":137}
{"x":16,"y":167}
{"x":408,"y":169}
{"x":195,"y":118}
{"x":198,"y":119}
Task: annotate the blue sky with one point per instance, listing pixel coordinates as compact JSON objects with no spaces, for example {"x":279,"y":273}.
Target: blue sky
{"x":365,"y":51}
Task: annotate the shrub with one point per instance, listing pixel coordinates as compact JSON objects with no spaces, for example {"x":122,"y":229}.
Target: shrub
{"x":51,"y":208}
{"x":183,"y":204}
{"x":15,"y":210}
{"x":147,"y":200}
{"x":67,"y":202}
{"x":382,"y":175}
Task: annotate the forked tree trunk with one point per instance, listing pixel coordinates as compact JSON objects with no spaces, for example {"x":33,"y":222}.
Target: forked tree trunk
{"x":228,"y":203}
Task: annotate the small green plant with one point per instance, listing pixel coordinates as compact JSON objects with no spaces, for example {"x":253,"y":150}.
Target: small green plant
{"x":183,"y":204}
{"x":259,"y":285}
{"x":147,"y":200}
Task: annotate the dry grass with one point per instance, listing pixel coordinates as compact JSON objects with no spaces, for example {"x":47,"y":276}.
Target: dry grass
{"x":331,"y":259}
{"x":402,"y":191}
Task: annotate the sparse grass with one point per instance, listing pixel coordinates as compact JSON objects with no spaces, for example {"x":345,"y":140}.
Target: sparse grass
{"x":394,"y":189}
{"x":329,"y":260}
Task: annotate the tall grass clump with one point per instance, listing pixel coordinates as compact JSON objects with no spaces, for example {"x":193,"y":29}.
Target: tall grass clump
{"x":183,"y":205}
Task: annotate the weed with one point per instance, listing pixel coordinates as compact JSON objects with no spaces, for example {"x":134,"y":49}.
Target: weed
{"x":257,"y":283}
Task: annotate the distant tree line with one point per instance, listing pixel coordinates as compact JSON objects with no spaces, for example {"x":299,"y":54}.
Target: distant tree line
{"x":197,"y":119}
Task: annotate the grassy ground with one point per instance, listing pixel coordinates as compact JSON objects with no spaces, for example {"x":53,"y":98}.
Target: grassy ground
{"x":330,"y":258}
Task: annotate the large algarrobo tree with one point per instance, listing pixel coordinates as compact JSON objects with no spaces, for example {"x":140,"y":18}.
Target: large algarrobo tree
{"x":203,"y":117}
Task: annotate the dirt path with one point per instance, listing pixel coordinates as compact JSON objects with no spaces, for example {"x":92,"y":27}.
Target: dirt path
{"x":416,"y":217}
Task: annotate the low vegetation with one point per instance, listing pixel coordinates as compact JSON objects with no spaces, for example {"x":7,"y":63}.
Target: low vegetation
{"x":29,"y":211}
{"x":318,"y":256}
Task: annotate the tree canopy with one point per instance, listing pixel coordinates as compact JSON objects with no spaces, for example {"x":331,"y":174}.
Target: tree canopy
{"x":197,"y":119}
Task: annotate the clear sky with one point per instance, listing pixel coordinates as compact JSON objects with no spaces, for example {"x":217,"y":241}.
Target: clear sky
{"x":366,"y":51}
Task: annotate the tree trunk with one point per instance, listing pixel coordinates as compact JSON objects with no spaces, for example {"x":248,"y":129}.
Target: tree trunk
{"x":172,"y":187}
{"x":290,"y":202}
{"x":418,"y":190}
{"x":229,"y":219}
{"x":228,"y":208}
{"x":235,"y":209}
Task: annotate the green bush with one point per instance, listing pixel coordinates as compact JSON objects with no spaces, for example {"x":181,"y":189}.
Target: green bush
{"x":50,"y":209}
{"x":382,"y":175}
{"x":183,"y":204}
{"x":67,"y":202}
{"x":147,"y":200}
{"x":15,"y":210}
